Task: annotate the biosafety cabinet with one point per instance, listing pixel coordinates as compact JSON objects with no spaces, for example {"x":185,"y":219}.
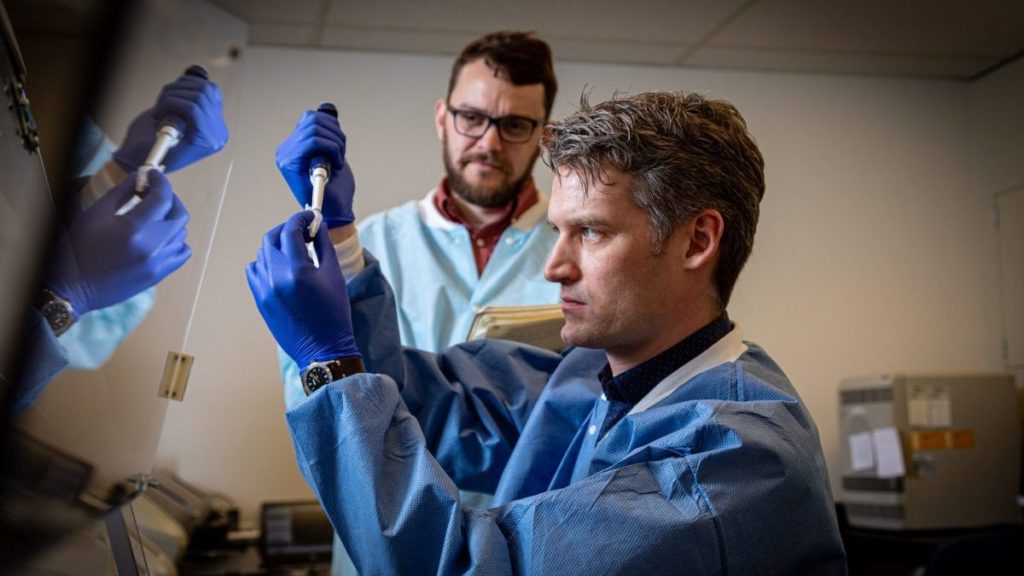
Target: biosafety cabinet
{"x":930,"y":451}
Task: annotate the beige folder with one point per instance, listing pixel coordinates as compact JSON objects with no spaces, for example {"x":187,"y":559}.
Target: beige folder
{"x":539,"y":326}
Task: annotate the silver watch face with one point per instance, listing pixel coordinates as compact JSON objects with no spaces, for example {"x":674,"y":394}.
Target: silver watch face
{"x":316,"y":377}
{"x":59,"y":316}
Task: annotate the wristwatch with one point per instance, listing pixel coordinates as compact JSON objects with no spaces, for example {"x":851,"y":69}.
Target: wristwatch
{"x":58,"y":312}
{"x":319,"y":374}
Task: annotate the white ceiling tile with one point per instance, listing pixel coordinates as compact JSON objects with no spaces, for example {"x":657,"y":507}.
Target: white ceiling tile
{"x":274,"y":11}
{"x":292,"y":11}
{"x":949,"y":38}
{"x":418,"y":42}
{"x":944,"y":28}
{"x":615,"y":52}
{"x":836,"y":62}
{"x":281,"y":34}
{"x":568,"y":49}
{"x":238,"y":8}
{"x":667,"y":21}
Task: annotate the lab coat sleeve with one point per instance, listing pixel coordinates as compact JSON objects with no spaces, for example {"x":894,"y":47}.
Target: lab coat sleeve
{"x":45,"y":359}
{"x":96,"y":335}
{"x":471,"y":400}
{"x":290,"y":377}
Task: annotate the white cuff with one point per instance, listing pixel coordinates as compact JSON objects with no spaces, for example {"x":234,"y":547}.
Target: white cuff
{"x":350,"y":256}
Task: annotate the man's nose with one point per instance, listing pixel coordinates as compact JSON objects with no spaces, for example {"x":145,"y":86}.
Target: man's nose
{"x":490,"y":139}
{"x":560,"y":266}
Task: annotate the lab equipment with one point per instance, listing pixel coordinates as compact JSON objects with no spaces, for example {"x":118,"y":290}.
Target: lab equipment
{"x":179,"y":517}
{"x":300,"y":303}
{"x":105,"y":259}
{"x":295,"y":537}
{"x":319,"y":174}
{"x":929,"y":451}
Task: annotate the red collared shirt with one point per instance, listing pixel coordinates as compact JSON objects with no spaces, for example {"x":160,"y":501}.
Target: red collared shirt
{"x":485,"y":239}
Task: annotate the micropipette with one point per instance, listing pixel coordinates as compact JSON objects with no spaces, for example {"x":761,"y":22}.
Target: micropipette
{"x":319,"y":174}
{"x":172,"y":129}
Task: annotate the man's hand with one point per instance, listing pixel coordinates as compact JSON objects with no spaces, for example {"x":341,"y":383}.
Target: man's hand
{"x":306,"y":308}
{"x":103,"y":259}
{"x":318,"y":134}
{"x":196,"y":101}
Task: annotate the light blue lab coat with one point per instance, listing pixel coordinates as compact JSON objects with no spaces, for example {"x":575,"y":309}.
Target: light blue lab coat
{"x":94,"y":338}
{"x":718,"y":470}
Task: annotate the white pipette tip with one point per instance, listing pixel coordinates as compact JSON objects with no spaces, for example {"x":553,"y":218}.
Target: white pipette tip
{"x":142,"y":176}
{"x":127,"y":207}
{"x":314,"y":227}
{"x":318,"y":219}
{"x":312,"y":255}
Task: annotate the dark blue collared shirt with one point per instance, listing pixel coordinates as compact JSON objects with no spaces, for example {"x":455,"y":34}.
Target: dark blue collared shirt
{"x":626,"y":389}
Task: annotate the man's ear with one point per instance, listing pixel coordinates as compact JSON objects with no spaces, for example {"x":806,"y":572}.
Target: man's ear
{"x":440,"y":111}
{"x":546,"y":131}
{"x":705,"y":232}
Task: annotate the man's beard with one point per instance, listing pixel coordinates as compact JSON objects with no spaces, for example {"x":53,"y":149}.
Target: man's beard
{"x":484,"y":197}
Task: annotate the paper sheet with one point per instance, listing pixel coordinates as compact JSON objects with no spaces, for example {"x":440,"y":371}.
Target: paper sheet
{"x":862,"y":452}
{"x":888,"y":452}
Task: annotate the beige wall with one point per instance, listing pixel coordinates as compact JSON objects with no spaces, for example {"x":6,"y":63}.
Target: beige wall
{"x":998,"y":122}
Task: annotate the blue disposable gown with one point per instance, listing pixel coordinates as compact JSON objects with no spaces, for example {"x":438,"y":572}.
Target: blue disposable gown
{"x":429,"y":259}
{"x":44,"y":359}
{"x":718,"y":470}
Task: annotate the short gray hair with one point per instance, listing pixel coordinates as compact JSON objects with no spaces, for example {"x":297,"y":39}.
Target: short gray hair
{"x":685,"y":153}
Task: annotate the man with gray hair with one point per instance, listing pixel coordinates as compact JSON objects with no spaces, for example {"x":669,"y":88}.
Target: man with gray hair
{"x":661,"y":442}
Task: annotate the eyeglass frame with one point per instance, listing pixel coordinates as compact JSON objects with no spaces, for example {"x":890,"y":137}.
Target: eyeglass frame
{"x":492,"y":121}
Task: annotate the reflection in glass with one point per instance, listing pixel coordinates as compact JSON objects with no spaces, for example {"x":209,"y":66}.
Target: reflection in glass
{"x":80,"y":445}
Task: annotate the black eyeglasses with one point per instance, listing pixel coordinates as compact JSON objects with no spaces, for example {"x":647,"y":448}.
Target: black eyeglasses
{"x":511,"y":129}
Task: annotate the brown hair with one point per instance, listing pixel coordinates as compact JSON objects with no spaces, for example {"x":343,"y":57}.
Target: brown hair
{"x":519,"y":57}
{"x":685,"y":154}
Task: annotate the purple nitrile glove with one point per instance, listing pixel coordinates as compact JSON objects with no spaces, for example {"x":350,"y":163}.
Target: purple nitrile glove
{"x":194,"y":101}
{"x":318,"y":134}
{"x":306,"y":308}
{"x":103,"y":258}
